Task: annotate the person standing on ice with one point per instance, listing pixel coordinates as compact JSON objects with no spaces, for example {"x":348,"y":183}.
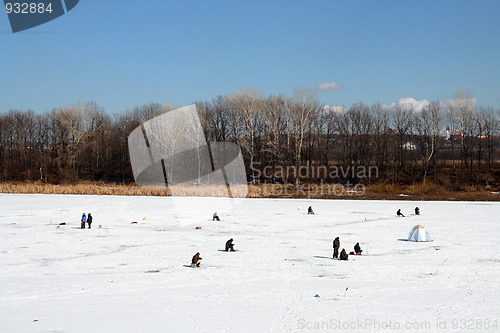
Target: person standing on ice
{"x":343,"y":255}
{"x":196,"y":261}
{"x":310,"y":210}
{"x":83,"y":220}
{"x":336,"y":245}
{"x":229,"y":245}
{"x":417,"y":211}
{"x":399,"y":213}
{"x":89,"y":220}
{"x":215,"y":217}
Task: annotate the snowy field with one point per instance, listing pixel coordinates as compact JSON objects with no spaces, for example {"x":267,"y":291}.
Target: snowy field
{"x":103,"y":280}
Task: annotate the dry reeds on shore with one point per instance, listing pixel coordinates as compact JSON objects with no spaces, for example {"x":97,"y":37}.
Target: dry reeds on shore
{"x":79,"y":188}
{"x":96,"y":188}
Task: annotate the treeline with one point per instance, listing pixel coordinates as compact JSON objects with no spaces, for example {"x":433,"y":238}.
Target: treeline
{"x":83,"y":142}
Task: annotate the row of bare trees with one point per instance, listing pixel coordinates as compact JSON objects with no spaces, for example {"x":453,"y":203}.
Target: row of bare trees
{"x":450,"y":143}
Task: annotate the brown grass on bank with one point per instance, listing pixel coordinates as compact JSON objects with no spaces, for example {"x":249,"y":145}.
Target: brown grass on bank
{"x":78,"y":188}
{"x":95,"y":188}
{"x":428,"y":189}
{"x":380,"y":191}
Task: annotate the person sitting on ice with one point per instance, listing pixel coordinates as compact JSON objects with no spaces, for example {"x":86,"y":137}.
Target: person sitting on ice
{"x":215,"y":217}
{"x":343,"y":255}
{"x":417,"y":211}
{"x":357,"y":249}
{"x":229,"y":245}
{"x":310,"y":210}
{"x":83,"y":220}
{"x":399,"y":213}
{"x":196,"y":261}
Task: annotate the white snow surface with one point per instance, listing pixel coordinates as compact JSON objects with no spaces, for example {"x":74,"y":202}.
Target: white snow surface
{"x":102,"y":280}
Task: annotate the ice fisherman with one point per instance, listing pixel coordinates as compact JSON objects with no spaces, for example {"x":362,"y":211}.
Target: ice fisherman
{"x":357,"y":249}
{"x":343,"y":255}
{"x":89,"y":220}
{"x":310,"y":210}
{"x":215,"y":217}
{"x":196,"y":261}
{"x":229,"y":245}
{"x":83,"y":220}
{"x":399,"y":213}
{"x":417,"y":211}
{"x":336,"y":245}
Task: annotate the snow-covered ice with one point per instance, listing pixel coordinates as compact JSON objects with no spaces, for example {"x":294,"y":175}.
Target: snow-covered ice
{"x":103,"y":280}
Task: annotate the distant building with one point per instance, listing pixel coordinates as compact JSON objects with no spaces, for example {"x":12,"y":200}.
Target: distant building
{"x":450,"y":136}
{"x":409,"y":145}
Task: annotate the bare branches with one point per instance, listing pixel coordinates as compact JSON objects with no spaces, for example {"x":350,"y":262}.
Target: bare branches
{"x":83,"y":142}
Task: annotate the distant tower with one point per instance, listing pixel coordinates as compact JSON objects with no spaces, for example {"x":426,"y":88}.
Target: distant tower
{"x":448,"y":133}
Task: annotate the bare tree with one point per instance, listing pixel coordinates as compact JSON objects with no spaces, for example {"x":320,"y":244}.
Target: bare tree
{"x":301,"y":110}
{"x":462,"y":109}
{"x":274,"y":129}
{"x":428,"y":124}
{"x":248,"y":105}
{"x":381,"y":133}
{"x":78,"y":121}
{"x":402,"y":120}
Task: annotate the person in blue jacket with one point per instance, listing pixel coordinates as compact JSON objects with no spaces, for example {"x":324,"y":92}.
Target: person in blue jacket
{"x":83,"y":220}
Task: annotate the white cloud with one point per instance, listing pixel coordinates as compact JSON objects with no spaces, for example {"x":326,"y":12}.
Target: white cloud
{"x":335,"y":108}
{"x":406,"y":103}
{"x":330,"y":86}
{"x":409,"y":102}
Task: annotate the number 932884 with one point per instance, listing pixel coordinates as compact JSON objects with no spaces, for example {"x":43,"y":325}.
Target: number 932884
{"x":27,"y":8}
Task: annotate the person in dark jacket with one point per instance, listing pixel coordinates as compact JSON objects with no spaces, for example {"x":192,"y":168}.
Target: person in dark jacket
{"x":310,"y":210}
{"x":215,"y":217}
{"x":229,"y":245}
{"x":357,"y":249}
{"x":399,"y":213}
{"x":343,"y":255}
{"x":195,"y":262}
{"x":83,"y":220}
{"x":89,"y":220}
{"x":336,"y":245}
{"x":417,"y":211}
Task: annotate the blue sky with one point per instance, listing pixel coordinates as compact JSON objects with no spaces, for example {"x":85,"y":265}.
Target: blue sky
{"x":123,"y":53}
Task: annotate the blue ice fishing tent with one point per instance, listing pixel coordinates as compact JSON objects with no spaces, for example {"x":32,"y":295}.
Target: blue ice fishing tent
{"x":419,"y":234}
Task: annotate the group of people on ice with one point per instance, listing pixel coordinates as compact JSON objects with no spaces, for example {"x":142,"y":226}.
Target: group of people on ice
{"x":87,"y":219}
{"x":196,"y":261}
{"x":336,"y":244}
{"x":417,"y":212}
{"x":343,"y":253}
